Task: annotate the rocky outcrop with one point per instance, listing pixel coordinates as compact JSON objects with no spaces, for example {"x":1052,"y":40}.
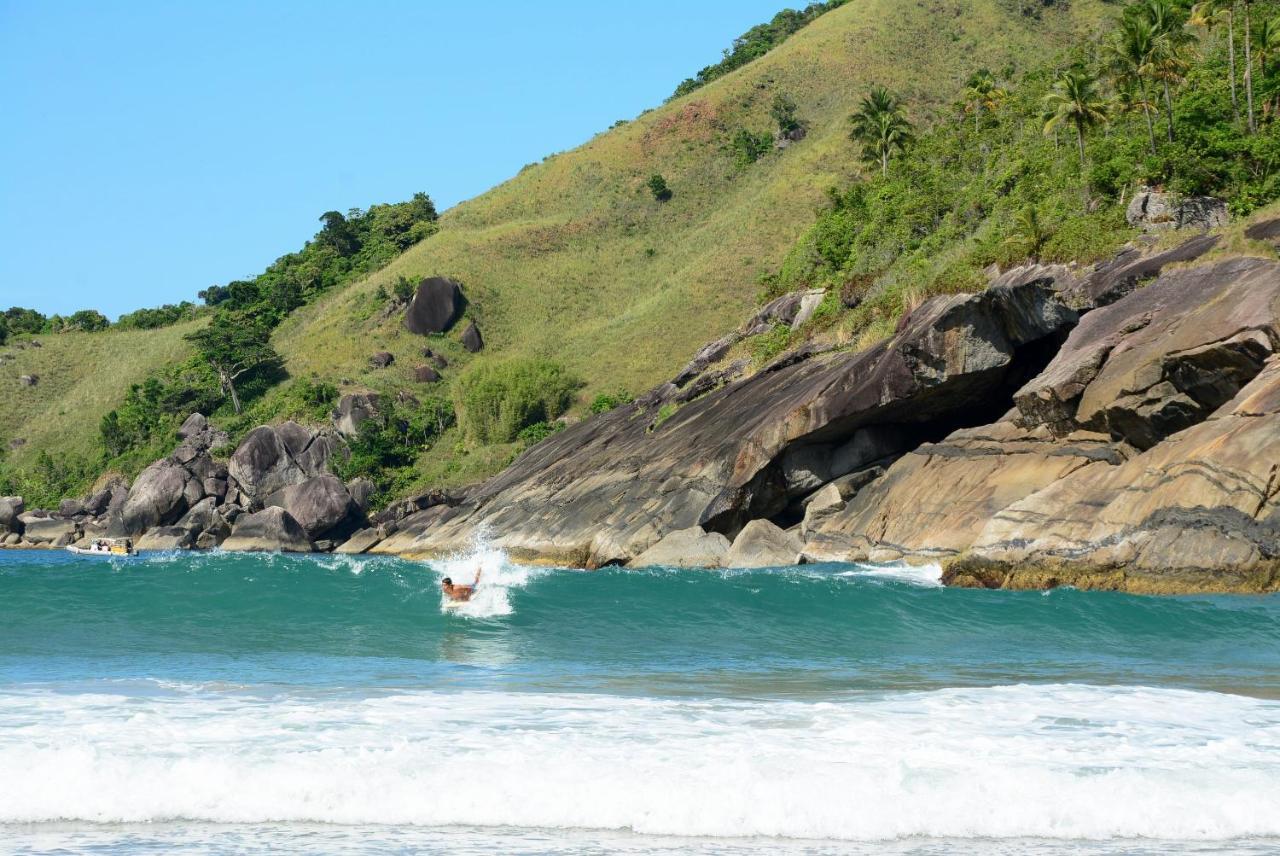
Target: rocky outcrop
{"x":608,"y":489}
{"x":41,"y":530}
{"x":270,"y":459}
{"x":320,"y":505}
{"x":157,"y":498}
{"x":382,"y":359}
{"x":1154,"y":210}
{"x":471,"y":339}
{"x":1127,"y":463}
{"x":426,"y":374}
{"x":270,"y":530}
{"x":11,"y":508}
{"x":436,"y":305}
{"x":1200,"y":511}
{"x":685,"y":548}
{"x":1164,"y":357}
{"x":761,"y":544}
{"x":353,"y":410}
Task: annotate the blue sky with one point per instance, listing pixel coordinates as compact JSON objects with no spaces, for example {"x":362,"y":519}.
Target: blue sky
{"x":149,"y":150}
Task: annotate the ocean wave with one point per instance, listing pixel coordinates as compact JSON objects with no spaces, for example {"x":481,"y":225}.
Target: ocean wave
{"x":1057,"y":761}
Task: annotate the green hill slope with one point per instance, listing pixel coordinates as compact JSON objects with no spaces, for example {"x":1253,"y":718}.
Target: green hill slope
{"x":574,"y":259}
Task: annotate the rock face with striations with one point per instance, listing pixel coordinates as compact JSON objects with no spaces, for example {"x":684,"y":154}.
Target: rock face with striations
{"x":435,"y":306}
{"x":1143,"y":457}
{"x":607,"y":489}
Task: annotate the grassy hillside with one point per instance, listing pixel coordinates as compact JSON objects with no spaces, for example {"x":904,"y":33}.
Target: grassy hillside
{"x":81,"y":377}
{"x":574,"y":259}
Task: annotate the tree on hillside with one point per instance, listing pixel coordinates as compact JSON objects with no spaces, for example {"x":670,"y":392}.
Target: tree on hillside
{"x":1169,"y":59}
{"x":658,"y":187}
{"x":1074,"y":100}
{"x":4,"y":329}
{"x":783,"y":111}
{"x":1132,"y":53}
{"x":87,"y":320}
{"x":1248,"y":65}
{"x":1029,"y":232}
{"x":1209,"y":14}
{"x":232,"y":345}
{"x":337,"y":233}
{"x":982,"y":95}
{"x":880,"y":127}
{"x":1266,"y":37}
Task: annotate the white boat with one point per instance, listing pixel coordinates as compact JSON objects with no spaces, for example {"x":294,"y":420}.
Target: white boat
{"x":105,"y":547}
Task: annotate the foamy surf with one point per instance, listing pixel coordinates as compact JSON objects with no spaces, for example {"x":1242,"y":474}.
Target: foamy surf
{"x":921,"y":575}
{"x":1063,"y":762}
{"x":497,"y":576}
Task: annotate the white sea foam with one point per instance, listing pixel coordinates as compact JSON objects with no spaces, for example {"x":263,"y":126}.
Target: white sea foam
{"x":1064,"y":762}
{"x":922,"y":575}
{"x":497,"y":577}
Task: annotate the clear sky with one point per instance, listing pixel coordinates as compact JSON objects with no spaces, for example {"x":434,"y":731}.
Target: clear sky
{"x":151,"y":149}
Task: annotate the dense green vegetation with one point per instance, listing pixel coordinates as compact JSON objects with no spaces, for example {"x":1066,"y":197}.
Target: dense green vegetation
{"x":387,"y":447}
{"x":1042,"y":164}
{"x":756,"y":42}
{"x":497,"y":401}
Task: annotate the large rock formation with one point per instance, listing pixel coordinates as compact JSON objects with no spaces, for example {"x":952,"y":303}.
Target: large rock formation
{"x":607,"y":489}
{"x":1143,"y":457}
{"x":319,"y":504}
{"x":10,"y":509}
{"x":1155,"y":210}
{"x":270,"y":530}
{"x":686,"y":548}
{"x":435,"y":306}
{"x":270,"y":459}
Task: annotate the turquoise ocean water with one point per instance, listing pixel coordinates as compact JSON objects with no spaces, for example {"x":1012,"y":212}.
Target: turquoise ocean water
{"x":230,"y":703}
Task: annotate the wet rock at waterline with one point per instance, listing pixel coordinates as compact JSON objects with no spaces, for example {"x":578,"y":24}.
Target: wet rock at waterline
{"x":270,"y":530}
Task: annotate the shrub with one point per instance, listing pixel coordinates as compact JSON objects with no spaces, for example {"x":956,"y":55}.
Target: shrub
{"x":604,"y":402}
{"x":658,"y":187}
{"x":495,"y":401}
{"x":747,"y":147}
{"x":768,"y":345}
{"x":386,"y":448}
{"x":539,"y":431}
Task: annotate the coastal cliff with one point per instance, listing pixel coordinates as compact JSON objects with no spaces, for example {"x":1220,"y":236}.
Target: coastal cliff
{"x":1113,"y":427}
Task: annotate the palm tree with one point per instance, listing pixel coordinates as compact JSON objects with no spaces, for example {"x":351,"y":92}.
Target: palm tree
{"x":1171,"y":42}
{"x":982,"y":94}
{"x":1132,"y":56}
{"x":1075,"y":100}
{"x":880,"y":127}
{"x":1029,"y":232}
{"x":1207,"y":14}
{"x":1248,"y":67}
{"x":1267,"y":38}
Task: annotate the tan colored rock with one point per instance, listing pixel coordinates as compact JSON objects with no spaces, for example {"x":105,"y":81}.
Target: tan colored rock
{"x":685,"y":548}
{"x":1198,"y":511}
{"x":933,"y":502}
{"x":762,"y":544}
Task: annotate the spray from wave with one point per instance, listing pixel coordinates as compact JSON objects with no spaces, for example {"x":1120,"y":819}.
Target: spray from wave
{"x":496,"y":576}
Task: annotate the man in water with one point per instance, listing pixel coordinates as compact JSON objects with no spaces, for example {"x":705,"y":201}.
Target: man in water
{"x":459,"y":592}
